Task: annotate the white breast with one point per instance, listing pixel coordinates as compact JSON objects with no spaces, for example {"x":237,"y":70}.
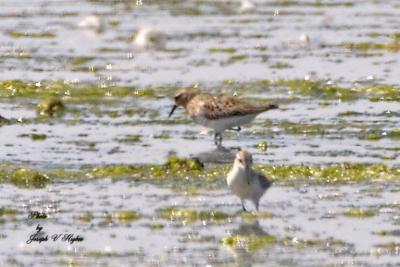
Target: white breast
{"x":237,"y":182}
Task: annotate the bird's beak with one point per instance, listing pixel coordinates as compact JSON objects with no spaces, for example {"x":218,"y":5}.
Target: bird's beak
{"x":248,"y":173}
{"x":172,"y":110}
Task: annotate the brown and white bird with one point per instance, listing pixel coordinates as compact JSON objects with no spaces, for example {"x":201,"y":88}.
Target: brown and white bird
{"x":218,"y":112}
{"x":245,"y":182}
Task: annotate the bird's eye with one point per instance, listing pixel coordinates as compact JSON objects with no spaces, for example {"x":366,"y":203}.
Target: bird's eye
{"x":241,"y":161}
{"x":177,"y":97}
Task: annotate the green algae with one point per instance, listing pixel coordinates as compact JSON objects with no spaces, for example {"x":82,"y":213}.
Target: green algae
{"x":81,"y":60}
{"x":262,"y":146}
{"x":156,"y":226}
{"x":251,"y":243}
{"x":359,"y":213}
{"x":26,"y":178}
{"x":307,"y":243}
{"x":15,"y":88}
{"x":130,"y":139}
{"x":395,"y":232}
{"x":89,"y":93}
{"x":50,"y":107}
{"x":350,"y":113}
{"x":188,"y":174}
{"x":318,"y":89}
{"x":34,"y":136}
{"x":8,"y":212}
{"x":190,"y":216}
{"x":281,"y":65}
{"x":113,"y":23}
{"x":331,"y":174}
{"x":16,"y":34}
{"x":126,"y":216}
{"x":38,"y":137}
{"x":162,"y":135}
{"x":84,"y":217}
{"x":391,"y":46}
{"x":176,"y":164}
{"x":222,"y":50}
{"x":391,"y":248}
{"x":256,"y":215}
{"x":4,"y":121}
{"x":236,"y":58}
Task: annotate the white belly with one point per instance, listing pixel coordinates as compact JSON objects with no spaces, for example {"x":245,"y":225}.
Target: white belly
{"x":238,"y":184}
{"x":219,"y":125}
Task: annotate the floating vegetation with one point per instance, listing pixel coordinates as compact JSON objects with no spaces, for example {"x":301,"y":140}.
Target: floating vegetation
{"x":359,"y":213}
{"x":236,"y":58}
{"x":4,"y":121}
{"x":191,"y":216}
{"x":222,"y":50}
{"x":82,"y":93}
{"x":256,"y":215}
{"x":395,"y":232}
{"x":15,"y":88}
{"x":16,"y":34}
{"x":81,"y":60}
{"x":8,"y":212}
{"x":34,"y":136}
{"x":388,"y":248}
{"x":130,"y":139}
{"x":392,"y":46}
{"x":176,"y":164}
{"x":163,"y":135}
{"x":262,"y":146}
{"x":51,"y":107}
{"x":190,"y":173}
{"x":26,"y":178}
{"x":251,"y":243}
{"x":126,"y":216}
{"x":281,"y":65}
{"x":305,"y":243}
{"x":84,"y":217}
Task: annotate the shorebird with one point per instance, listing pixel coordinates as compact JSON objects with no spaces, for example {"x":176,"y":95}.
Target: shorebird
{"x":218,"y":112}
{"x":245,"y":182}
{"x":92,"y":22}
{"x":247,"y":7}
{"x":150,"y":38}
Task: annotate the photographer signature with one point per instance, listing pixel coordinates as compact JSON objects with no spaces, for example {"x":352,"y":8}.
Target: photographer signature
{"x":40,"y":236}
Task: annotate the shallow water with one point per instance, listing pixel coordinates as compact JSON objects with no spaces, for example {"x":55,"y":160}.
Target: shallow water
{"x":298,"y":214}
{"x":213,"y":47}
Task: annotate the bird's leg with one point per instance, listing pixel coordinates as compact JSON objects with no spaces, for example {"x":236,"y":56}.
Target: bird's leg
{"x":257,"y":204}
{"x":218,"y":139}
{"x":238,"y":129}
{"x":244,"y":209}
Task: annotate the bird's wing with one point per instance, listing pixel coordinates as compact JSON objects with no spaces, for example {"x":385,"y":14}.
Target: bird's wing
{"x":218,"y":107}
{"x":264,"y":181}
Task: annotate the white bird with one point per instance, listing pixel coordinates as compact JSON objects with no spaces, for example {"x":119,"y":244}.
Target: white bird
{"x":304,"y":39}
{"x":247,"y":7}
{"x":245,"y":182}
{"x":91,"y":22}
{"x":149,"y":38}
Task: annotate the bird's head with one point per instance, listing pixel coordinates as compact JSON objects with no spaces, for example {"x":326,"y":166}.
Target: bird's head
{"x":244,"y":160}
{"x":182,"y":97}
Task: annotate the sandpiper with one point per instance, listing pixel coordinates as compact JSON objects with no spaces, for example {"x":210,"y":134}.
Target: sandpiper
{"x":247,"y":7}
{"x":92,"y":22}
{"x":218,"y":112}
{"x":245,"y":182}
{"x":150,"y":38}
